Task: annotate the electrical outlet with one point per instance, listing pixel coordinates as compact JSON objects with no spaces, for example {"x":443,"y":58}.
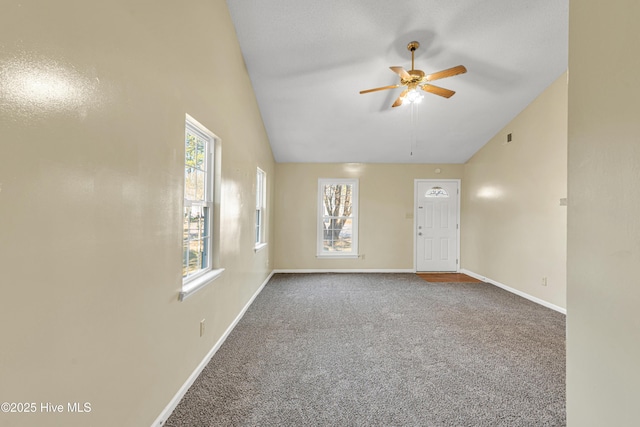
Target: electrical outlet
{"x":544,"y":281}
{"x":202,"y":327}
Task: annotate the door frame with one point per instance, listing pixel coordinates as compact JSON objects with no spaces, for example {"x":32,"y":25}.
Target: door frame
{"x":415,"y":218}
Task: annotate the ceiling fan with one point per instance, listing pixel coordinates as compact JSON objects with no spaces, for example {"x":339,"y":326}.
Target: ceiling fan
{"x":413,"y":79}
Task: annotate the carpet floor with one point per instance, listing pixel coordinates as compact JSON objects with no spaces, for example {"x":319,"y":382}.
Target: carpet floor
{"x":383,"y":350}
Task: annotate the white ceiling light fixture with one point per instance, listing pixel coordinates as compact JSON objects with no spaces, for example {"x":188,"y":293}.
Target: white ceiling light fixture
{"x":413,"y":97}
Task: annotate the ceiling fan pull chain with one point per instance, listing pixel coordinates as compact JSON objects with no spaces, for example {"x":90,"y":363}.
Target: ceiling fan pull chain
{"x":414,"y":112}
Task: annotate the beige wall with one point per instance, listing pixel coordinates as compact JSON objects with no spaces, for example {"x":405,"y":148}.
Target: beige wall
{"x":385,"y":220}
{"x":91,"y":178}
{"x":513,"y":227}
{"x":603,"y":322}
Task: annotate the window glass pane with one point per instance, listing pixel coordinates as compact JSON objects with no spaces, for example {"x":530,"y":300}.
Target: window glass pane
{"x":205,"y":253}
{"x":201,"y":227}
{"x":202,"y":262}
{"x":200,"y":154}
{"x":195,"y":222}
{"x":338,"y":199}
{"x":190,"y":183}
{"x":436,"y":192}
{"x":185,"y":223}
{"x":205,"y":221}
{"x":345,"y":230}
{"x":329,"y":199}
{"x":258,"y":189}
{"x":337,"y":234}
{"x":185,"y":258}
{"x":195,"y":256}
{"x":258,"y":223}
{"x":199,"y":178}
{"x":195,"y":240}
{"x":344,"y":244}
{"x":190,"y":150}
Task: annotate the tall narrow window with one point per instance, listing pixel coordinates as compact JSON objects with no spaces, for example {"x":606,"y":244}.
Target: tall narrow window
{"x":261,"y":185}
{"x":197,"y":222}
{"x":337,"y":218}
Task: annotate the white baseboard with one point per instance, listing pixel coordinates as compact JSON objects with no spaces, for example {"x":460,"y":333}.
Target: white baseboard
{"x":515,"y":291}
{"x":355,"y":270}
{"x":183,"y":390}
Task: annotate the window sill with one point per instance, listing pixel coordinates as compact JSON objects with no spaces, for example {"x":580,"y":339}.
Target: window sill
{"x":259,"y":247}
{"x":353,"y":256}
{"x":195,"y":285}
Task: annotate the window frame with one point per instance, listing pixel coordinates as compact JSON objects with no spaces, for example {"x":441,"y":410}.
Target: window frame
{"x":320,"y":252}
{"x":261,"y":209}
{"x":194,"y":282}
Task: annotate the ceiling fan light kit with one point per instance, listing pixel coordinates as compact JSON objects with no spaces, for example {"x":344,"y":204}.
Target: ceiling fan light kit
{"x":413,"y":96}
{"x":414,"y":79}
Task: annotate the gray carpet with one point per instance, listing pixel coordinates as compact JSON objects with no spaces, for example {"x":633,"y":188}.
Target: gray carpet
{"x":384,"y":350}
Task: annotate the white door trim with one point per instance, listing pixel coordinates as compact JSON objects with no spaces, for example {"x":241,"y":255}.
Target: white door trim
{"x":415,"y":216}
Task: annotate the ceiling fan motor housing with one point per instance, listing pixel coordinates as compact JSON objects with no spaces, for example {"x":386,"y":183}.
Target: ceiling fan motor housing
{"x":416,"y":77}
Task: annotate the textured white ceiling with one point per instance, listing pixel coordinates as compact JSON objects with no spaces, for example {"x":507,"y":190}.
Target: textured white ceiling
{"x":309,"y":59}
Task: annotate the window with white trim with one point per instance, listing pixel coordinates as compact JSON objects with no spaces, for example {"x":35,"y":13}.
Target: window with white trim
{"x":337,"y":218}
{"x":198,"y":208}
{"x":261,"y":191}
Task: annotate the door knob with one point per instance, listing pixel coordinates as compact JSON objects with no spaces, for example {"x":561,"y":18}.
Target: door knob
{"x":419,"y":234}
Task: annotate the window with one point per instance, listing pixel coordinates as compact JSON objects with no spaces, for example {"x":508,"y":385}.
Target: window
{"x":261,"y":191}
{"x":197,"y":223}
{"x":338,"y":218}
{"x":436,"y":192}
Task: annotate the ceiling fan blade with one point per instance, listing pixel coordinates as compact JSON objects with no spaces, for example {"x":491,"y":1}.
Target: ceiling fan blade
{"x":379,"y":88}
{"x":460,"y":69}
{"x":438,"y":90}
{"x":401,"y":72}
{"x":399,"y":99}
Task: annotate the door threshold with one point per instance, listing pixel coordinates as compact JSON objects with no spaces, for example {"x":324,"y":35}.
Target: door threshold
{"x":442,"y":277}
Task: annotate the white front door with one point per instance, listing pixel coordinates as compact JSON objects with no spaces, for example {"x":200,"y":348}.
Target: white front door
{"x":437,"y":226}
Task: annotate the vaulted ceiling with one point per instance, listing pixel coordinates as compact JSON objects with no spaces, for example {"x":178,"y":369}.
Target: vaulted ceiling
{"x":308,"y":60}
